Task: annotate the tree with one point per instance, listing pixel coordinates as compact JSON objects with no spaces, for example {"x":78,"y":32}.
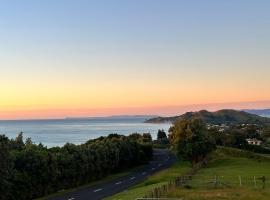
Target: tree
{"x":161,"y":135}
{"x":191,"y":140}
{"x":29,"y":171}
{"x":146,"y":138}
{"x":5,"y":168}
{"x":18,"y":143}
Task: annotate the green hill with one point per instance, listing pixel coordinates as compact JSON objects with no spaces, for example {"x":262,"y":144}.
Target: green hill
{"x":218,"y":117}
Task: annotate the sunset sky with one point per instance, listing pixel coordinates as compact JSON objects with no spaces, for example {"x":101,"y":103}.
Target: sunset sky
{"x":63,"y":58}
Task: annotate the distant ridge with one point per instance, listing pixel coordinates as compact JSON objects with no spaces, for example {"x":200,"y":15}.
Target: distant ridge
{"x":260,"y":112}
{"x":116,"y":117}
{"x":219,"y":117}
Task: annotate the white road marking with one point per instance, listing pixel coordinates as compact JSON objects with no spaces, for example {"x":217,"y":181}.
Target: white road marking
{"x":71,"y":198}
{"x":132,"y":178}
{"x":159,"y":164}
{"x":153,"y":168}
{"x":98,"y":190}
{"x":118,"y":183}
{"x":143,"y":173}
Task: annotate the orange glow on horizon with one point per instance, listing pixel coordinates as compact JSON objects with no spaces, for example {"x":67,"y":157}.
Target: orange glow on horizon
{"x":55,"y":113}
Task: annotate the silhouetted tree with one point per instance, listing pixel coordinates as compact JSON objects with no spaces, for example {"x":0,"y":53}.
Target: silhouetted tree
{"x":161,"y":135}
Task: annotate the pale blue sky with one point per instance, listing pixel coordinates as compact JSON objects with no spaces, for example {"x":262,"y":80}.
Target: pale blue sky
{"x":205,"y":45}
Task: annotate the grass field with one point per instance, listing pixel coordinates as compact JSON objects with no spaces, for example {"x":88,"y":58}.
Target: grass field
{"x":233,"y":170}
{"x":227,"y":164}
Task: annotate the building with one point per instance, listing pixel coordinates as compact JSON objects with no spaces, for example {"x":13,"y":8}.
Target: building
{"x":254,"y":141}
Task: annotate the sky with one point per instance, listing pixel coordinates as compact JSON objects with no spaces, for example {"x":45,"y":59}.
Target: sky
{"x":62,"y":58}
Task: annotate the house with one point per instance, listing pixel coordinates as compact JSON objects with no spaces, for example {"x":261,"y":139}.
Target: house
{"x":254,"y":141}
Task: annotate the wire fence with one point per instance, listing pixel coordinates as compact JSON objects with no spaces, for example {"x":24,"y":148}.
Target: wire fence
{"x":211,"y":182}
{"x":219,"y":181}
{"x":158,"y":199}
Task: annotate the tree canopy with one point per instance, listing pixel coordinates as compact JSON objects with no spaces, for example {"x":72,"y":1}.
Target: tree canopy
{"x":191,"y":140}
{"x":29,"y":171}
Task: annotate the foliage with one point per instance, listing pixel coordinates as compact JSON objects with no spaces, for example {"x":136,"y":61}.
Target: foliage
{"x":191,"y":140}
{"x":236,"y":135}
{"x":28,"y":171}
{"x":5,"y":168}
{"x":161,"y":135}
{"x":162,"y":141}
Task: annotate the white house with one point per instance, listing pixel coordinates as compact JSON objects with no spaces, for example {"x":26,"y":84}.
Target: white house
{"x":253,"y":141}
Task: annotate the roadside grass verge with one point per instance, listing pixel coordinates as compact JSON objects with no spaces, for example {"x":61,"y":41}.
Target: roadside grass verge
{"x":156,"y":180}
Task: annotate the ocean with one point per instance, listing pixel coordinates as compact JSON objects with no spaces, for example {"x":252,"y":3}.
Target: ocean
{"x":58,"y":132}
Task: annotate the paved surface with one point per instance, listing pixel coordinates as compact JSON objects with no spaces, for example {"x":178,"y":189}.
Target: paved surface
{"x":161,"y":160}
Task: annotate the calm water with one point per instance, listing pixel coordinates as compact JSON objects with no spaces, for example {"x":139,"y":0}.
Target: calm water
{"x":58,"y":132}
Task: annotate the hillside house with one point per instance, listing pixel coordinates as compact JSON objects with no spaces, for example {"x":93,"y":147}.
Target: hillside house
{"x":254,"y":141}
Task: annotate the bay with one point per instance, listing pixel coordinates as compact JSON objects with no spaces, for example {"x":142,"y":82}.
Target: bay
{"x":57,"y":132}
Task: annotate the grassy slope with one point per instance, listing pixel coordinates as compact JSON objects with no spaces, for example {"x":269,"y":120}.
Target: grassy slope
{"x":158,"y":179}
{"x":229,"y":163}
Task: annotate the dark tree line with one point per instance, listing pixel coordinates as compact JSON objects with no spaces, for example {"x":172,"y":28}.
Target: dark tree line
{"x":29,"y":171}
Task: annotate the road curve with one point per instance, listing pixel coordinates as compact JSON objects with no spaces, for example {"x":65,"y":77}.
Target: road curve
{"x":162,"y":159}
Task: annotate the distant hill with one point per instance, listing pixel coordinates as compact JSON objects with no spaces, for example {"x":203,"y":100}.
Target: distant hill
{"x":262,"y":112}
{"x":218,"y":117}
{"x":114,"y":117}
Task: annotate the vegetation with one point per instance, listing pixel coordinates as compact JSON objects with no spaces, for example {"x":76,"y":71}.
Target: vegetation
{"x":230,"y":127}
{"x":156,"y":180}
{"x":236,"y":136}
{"x":229,"y":163}
{"x":104,"y":180}
{"x":29,"y":171}
{"x":191,"y":140}
{"x":161,"y":135}
{"x":219,"y":117}
{"x":162,"y":141}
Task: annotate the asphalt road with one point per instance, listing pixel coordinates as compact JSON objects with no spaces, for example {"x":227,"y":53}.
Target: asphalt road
{"x":161,"y":160}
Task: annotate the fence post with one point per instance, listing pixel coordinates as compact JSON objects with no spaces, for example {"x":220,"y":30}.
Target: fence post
{"x":240,"y":181}
{"x":263,"y":182}
{"x":255,"y":184}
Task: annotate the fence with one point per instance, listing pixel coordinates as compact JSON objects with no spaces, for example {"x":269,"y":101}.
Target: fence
{"x":218,"y":181}
{"x":210,"y":182}
{"x":158,"y":199}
